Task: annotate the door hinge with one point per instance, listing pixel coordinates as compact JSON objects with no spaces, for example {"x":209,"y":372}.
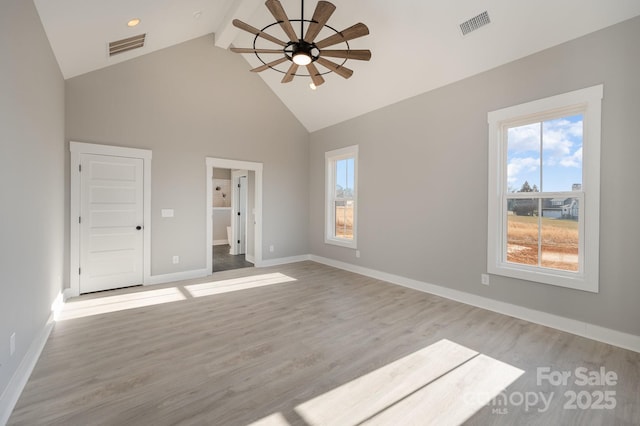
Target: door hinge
{"x":238,"y":185}
{"x":79,"y":219}
{"x":79,"y":271}
{"x":238,"y":241}
{"x":80,"y":167}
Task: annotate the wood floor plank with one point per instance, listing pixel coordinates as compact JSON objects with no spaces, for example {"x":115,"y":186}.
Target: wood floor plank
{"x":242,"y":347}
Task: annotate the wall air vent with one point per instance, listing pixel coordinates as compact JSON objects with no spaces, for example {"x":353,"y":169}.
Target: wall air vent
{"x":474,"y":23}
{"x":126,"y":44}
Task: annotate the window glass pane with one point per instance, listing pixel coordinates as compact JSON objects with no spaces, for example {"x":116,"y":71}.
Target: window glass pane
{"x":560,"y":235}
{"x":341,"y":177}
{"x":350,"y":177}
{"x":523,"y":158}
{"x":522,"y":231}
{"x":562,"y":154}
{"x":345,"y":178}
{"x":344,"y":219}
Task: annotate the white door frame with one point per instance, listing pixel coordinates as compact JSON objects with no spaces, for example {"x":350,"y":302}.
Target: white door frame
{"x":222,"y":163}
{"x":78,"y":148}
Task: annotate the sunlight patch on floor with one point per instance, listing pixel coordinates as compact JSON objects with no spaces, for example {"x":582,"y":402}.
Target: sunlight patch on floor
{"x":226,"y":286}
{"x":103,"y":305}
{"x":444,"y":383}
{"x":276,"y":419}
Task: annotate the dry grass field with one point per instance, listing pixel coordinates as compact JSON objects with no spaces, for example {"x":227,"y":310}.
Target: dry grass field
{"x":559,"y":242}
{"x":344,"y":222}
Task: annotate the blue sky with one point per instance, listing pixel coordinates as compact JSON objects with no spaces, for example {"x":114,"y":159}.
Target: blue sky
{"x":561,"y":154}
{"x":345,"y":173}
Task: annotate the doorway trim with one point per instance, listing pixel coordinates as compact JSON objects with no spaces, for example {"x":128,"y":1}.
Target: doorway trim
{"x":249,"y":166}
{"x":78,"y":148}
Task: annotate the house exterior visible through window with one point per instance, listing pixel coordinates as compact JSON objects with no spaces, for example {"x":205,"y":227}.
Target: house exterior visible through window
{"x":341,"y":196}
{"x":544,"y":167}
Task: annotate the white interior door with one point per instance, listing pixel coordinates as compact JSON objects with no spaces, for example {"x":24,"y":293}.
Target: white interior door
{"x":242,"y":215}
{"x":111,"y":222}
{"x":239,"y":212}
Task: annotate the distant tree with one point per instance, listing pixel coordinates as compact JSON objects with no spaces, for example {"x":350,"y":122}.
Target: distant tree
{"x":527,"y":188}
{"x":342,"y":192}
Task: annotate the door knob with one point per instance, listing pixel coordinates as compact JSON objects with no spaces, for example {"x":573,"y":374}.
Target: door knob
{"x":138,"y":227}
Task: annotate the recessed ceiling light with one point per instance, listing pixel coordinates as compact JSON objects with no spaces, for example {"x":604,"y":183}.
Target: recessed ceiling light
{"x":132,"y":23}
{"x":312,"y":86}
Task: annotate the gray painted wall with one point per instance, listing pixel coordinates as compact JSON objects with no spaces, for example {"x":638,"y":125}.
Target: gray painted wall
{"x":31,"y":179}
{"x":185,"y":103}
{"x":425,"y":216}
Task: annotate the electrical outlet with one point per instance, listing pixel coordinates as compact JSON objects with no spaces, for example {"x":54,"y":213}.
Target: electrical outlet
{"x":176,"y":259}
{"x":12,"y":343}
{"x":271,"y":249}
{"x":358,"y":254}
{"x":484,"y":279}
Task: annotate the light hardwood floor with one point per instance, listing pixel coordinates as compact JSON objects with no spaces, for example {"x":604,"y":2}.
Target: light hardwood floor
{"x":307,"y":344}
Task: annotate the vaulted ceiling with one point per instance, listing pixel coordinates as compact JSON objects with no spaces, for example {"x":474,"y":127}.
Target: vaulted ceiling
{"x":417,"y":45}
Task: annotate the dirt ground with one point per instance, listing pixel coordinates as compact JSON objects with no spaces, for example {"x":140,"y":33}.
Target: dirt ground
{"x":560,"y":240}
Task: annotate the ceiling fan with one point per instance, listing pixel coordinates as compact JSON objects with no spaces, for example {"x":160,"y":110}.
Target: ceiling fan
{"x":303,"y":50}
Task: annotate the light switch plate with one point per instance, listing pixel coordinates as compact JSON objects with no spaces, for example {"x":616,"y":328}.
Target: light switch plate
{"x":166,"y":212}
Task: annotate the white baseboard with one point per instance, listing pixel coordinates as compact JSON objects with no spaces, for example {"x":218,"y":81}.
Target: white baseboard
{"x":67,"y":293}
{"x":220,"y":242}
{"x":177,"y":276}
{"x":283,"y":260}
{"x":155,"y":279}
{"x":250,"y":259}
{"x":580,"y":328}
{"x":14,"y":388}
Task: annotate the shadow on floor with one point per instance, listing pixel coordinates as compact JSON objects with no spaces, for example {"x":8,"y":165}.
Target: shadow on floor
{"x":223,"y":261}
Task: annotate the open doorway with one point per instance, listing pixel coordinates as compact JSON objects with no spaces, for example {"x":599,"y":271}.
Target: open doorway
{"x":231,"y":219}
{"x":234,"y":201}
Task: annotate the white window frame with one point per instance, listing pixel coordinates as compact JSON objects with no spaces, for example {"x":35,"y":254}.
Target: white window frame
{"x":584,"y":101}
{"x":331,"y":157}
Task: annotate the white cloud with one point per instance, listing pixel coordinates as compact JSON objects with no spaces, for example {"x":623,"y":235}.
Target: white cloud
{"x":524,"y":138}
{"x":574,"y":160}
{"x":521,"y":165}
{"x":562,"y":142}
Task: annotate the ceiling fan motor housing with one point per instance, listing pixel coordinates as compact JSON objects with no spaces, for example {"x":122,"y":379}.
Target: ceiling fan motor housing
{"x":303,"y":48}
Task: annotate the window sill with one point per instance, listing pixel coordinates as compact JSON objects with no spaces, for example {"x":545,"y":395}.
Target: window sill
{"x":545,"y":276}
{"x":341,"y":243}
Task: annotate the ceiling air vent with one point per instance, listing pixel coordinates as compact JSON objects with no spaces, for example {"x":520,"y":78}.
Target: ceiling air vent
{"x":126,"y":44}
{"x":474,"y":23}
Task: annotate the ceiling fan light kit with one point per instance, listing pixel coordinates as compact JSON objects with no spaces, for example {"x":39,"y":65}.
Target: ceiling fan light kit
{"x":302,"y":50}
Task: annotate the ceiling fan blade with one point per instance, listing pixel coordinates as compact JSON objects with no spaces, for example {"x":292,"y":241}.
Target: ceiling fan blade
{"x":354,"y":31}
{"x":248,"y":28}
{"x":315,"y":74}
{"x":270,"y":64}
{"x":338,"y":69}
{"x":360,"y":55}
{"x":290,"y":73}
{"x":276,"y":9}
{"x":250,"y":50}
{"x":321,"y":15}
